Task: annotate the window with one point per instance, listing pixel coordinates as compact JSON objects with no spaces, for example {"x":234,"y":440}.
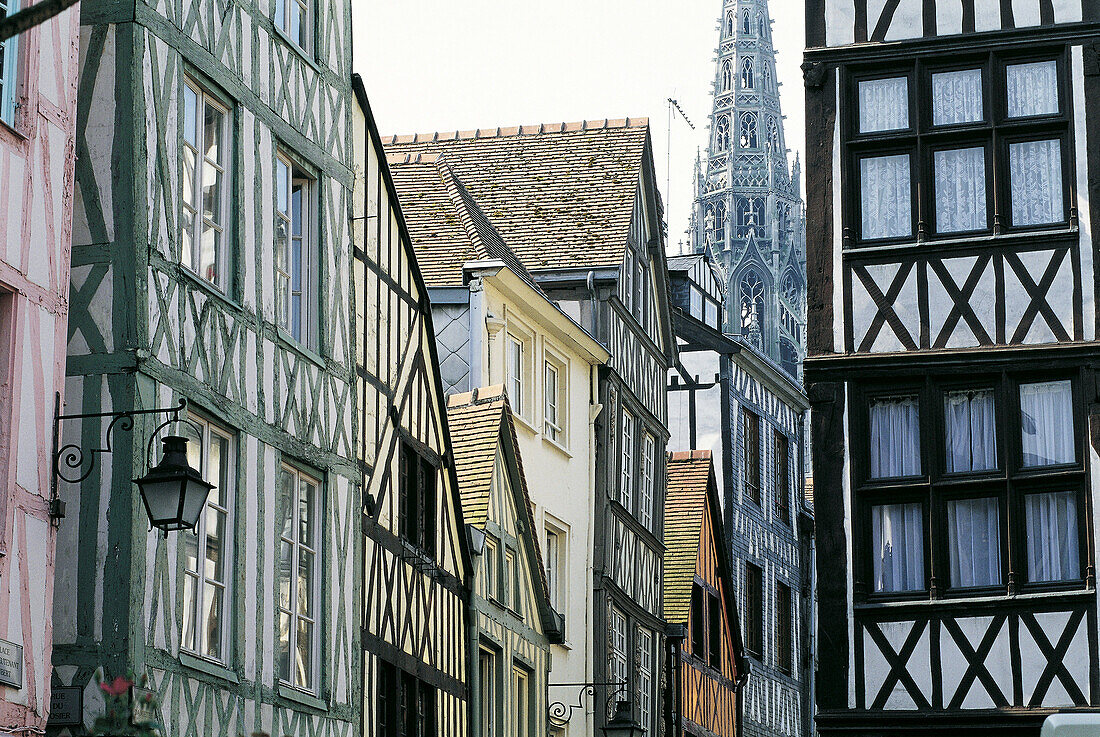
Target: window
{"x":748,"y":130}
{"x":617,"y":665}
{"x":712,"y":317}
{"x":750,"y":437}
{"x":698,"y":619}
{"x":752,"y":301}
{"x":406,"y":706}
{"x":897,"y":544}
{"x":714,"y":631}
{"x":746,"y":23}
{"x":297,"y":519}
{"x":1004,"y":161}
{"x":895,"y":437}
{"x":9,"y":67}
{"x":207,"y":548}
{"x":628,"y":281}
{"x":515,"y":374}
{"x":727,"y":75}
{"x":754,"y":610}
{"x":729,"y":23}
{"x":522,"y":700}
{"x":971,"y":426}
{"x":626,"y":450}
{"x":1053,"y":550}
{"x":722,"y":133}
{"x":1046,"y":418}
{"x":773,"y":136}
{"x":487,"y":691}
{"x":295,"y":260}
{"x":765,"y":77}
{"x":645,"y":679}
{"x":695,"y":302}
{"x":204,"y":185}
{"x":782,"y":477}
{"x":493,"y":582}
{"x":748,"y":73}
{"x":784,"y":628}
{"x":974,"y":542}
{"x":511,"y":579}
{"x":645,"y":495}
{"x":292,"y":17}
{"x":552,"y":396}
{"x":416,"y":501}
{"x":719,"y":223}
{"x":554,"y":559}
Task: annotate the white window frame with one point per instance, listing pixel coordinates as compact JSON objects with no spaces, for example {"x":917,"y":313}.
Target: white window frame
{"x":617,"y":653}
{"x":628,"y":282}
{"x":492,"y":571}
{"x":645,"y":678}
{"x":282,"y":18}
{"x":295,"y":617}
{"x":626,"y":450}
{"x":556,"y":403}
{"x":557,"y":564}
{"x":9,"y":84}
{"x":489,"y":686}
{"x":199,"y":456}
{"x":517,"y":352}
{"x":511,"y":578}
{"x":294,"y":178}
{"x":645,"y":493}
{"x":218,"y":224}
{"x":522,"y":698}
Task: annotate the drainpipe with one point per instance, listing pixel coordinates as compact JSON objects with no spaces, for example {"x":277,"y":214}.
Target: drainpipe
{"x":477,"y":332}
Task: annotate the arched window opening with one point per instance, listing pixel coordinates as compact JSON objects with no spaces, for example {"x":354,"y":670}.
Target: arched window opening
{"x":773,"y":134}
{"x":729,"y":24}
{"x":708,"y":223}
{"x":763,"y":23}
{"x":722,"y":133}
{"x":752,"y":301}
{"x":747,"y":133}
{"x":720,"y":223}
{"x":746,"y":23}
{"x":766,"y":76}
{"x":748,"y":73}
{"x":727,"y":75}
{"x":788,"y":357}
{"x":790,"y":289}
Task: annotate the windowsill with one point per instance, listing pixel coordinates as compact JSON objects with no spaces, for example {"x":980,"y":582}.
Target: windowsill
{"x":290,"y":342}
{"x":561,"y":448}
{"x":564,"y":645}
{"x":302,"y":53}
{"x":951,"y":601}
{"x":209,"y":667}
{"x":1056,"y":231}
{"x":290,"y":693}
{"x":524,"y":423}
{"x":8,"y":130}
{"x":208,"y":287}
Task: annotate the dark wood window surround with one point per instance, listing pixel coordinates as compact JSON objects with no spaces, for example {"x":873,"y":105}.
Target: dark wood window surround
{"x":921,"y":139}
{"x":754,"y":610}
{"x":417,"y":500}
{"x":714,"y":630}
{"x":782,"y":478}
{"x":406,"y":706}
{"x":750,"y":423}
{"x":934,"y":487}
{"x":698,"y":621}
{"x":784,"y":628}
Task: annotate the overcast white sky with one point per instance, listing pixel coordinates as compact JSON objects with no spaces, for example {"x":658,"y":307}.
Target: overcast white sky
{"x":463,"y":64}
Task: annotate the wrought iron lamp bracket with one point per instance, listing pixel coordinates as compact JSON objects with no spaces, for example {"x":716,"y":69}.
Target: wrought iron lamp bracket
{"x":559,"y":713}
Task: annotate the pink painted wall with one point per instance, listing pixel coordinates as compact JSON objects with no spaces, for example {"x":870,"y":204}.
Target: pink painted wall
{"x":37,"y":155}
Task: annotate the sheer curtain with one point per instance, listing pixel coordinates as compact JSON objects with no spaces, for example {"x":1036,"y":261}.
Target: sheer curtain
{"x":1052,"y":549}
{"x":885,"y":196}
{"x":971,"y":431}
{"x":1035,"y":176}
{"x":957,"y":97}
{"x":1032,"y":89}
{"x":960,"y":190}
{"x":895,"y":437}
{"x":974,"y":541}
{"x":883,"y":104}
{"x":897,"y":537}
{"x":1046,"y":414}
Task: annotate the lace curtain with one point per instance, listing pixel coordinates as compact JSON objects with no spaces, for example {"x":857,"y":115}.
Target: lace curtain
{"x":960,"y":190}
{"x":883,"y":104}
{"x":971,"y":431}
{"x":974,"y":536}
{"x":957,"y":97}
{"x":1032,"y":89}
{"x":897,"y":539}
{"x":895,"y":438}
{"x":1035,"y":174}
{"x":1052,"y":550}
{"x":1046,"y":415}
{"x":886,"y":197}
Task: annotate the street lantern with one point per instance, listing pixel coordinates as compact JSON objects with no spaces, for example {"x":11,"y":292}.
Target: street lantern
{"x":623,"y":724}
{"x":173,"y":492}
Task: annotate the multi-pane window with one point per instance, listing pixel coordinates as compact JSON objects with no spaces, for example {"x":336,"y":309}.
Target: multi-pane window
{"x":204,"y":185}
{"x":626,"y":450}
{"x":617,"y":652}
{"x":206,"y":549}
{"x":297,"y":520}
{"x":645,"y":488}
{"x":782,"y":477}
{"x":511,"y":579}
{"x":515,"y":360}
{"x":488,"y":680}
{"x":750,"y":437}
{"x":991,"y":133}
{"x":9,"y":65}
{"x":628,"y":281}
{"x":406,"y":706}
{"x":552,"y":400}
{"x":493,"y":582}
{"x":293,"y":18}
{"x":416,"y":500}
{"x":645,"y":679}
{"x":754,"y":610}
{"x":698,"y":621}
{"x":296,"y":262}
{"x":554,"y":558}
{"x":714,"y":630}
{"x":522,"y":700}
{"x":978,"y":510}
{"x":784,"y":627}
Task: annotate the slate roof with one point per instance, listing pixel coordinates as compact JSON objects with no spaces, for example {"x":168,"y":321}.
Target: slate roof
{"x":560,"y":195}
{"x":689,"y":474}
{"x":683,"y":263}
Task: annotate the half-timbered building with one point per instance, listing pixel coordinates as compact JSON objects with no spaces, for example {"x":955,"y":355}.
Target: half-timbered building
{"x":707,"y":661}
{"x":953,"y":155}
{"x":591,"y":235}
{"x":416,"y":568}
{"x":514,"y":620}
{"x":496,"y":326}
{"x":37,"y":127}
{"x":212,"y":263}
{"x":729,"y":398}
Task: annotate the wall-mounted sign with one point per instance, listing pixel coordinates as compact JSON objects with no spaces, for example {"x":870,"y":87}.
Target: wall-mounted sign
{"x":66,"y":706}
{"x":11,"y":664}
{"x":143,"y":707}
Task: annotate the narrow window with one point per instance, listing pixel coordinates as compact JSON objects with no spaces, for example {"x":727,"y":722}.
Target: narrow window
{"x":883,"y":105}
{"x":750,"y":436}
{"x":617,"y":665}
{"x":698,"y":617}
{"x":886,"y":198}
{"x":515,"y":374}
{"x":971,"y":426}
{"x":714,"y":631}
{"x":897,"y":543}
{"x":727,"y":75}
{"x":293,"y":18}
{"x":511,"y":575}
{"x":974,"y":542}
{"x":553,"y":567}
{"x":722,"y":133}
{"x":895,"y":437}
{"x":295,"y":257}
{"x":1053,"y":551}
{"x":719,"y":223}
{"x":748,"y":73}
{"x":695,"y":302}
{"x":628,"y":282}
{"x":754,"y":609}
{"x":521,"y":700}
{"x":206,"y":563}
{"x":9,"y":67}
{"x":493,"y":582}
{"x":388,"y":705}
{"x":416,"y":500}
{"x":1046,"y":415}
{"x":784,"y":628}
{"x":487,"y":688}
{"x":746,"y":23}
{"x":782,"y":477}
{"x":551,"y":395}
{"x":748,"y":130}
{"x":626,"y":450}
{"x":645,"y":679}
{"x":297,"y":521}
{"x":645,"y":495}
{"x":204,"y":185}
{"x":961,"y":203}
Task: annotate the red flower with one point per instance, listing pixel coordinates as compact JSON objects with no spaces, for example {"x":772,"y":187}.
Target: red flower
{"x":117,"y":687}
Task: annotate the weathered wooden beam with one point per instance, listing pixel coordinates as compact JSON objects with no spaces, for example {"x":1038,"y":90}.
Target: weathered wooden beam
{"x":29,"y":17}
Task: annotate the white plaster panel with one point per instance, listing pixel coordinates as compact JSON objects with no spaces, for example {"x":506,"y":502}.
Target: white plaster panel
{"x":949,"y":17}
{"x":987,"y":15}
{"x":99,"y":136}
{"x":908,"y":21}
{"x":1025,"y":12}
{"x":1068,"y":11}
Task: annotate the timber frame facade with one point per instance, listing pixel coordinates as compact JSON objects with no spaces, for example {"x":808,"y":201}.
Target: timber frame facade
{"x":198,"y":123}
{"x":984,"y":300}
{"x":416,"y":561}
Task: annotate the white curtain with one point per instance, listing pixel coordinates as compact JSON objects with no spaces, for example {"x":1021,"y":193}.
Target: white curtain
{"x":960,"y":190}
{"x":974,"y":537}
{"x":957,"y":97}
{"x":1046,"y":413}
{"x":1032,"y":89}
{"x":883,"y":104}
{"x":1052,"y":549}
{"x":885,"y":196}
{"x":1035,"y":173}
{"x":897,"y":537}
{"x":895,"y":438}
{"x":971,"y":431}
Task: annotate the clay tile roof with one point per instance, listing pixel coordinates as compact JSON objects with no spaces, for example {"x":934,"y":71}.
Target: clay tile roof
{"x":560,"y":195}
{"x":689,"y":474}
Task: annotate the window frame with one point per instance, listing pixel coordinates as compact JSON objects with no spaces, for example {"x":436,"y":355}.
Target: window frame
{"x":560,"y":366}
{"x":223,"y":257}
{"x":782,"y":452}
{"x":299,"y":473}
{"x":311,"y":267}
{"x":643,"y":649}
{"x":523,"y":685}
{"x":490,"y":707}
{"x":751,"y":465}
{"x":647,"y":474}
{"x":628,"y":434}
{"x":308,"y":20}
{"x":12,"y":79}
{"x":784,"y":628}
{"x":754,"y":610}
{"x":417,"y":526}
{"x":615,"y":656}
{"x":557,"y":570}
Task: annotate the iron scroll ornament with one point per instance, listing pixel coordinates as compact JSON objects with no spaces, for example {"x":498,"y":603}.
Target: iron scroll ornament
{"x":558,"y":713}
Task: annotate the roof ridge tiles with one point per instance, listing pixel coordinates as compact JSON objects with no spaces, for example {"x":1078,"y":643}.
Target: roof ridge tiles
{"x":519,"y":130}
